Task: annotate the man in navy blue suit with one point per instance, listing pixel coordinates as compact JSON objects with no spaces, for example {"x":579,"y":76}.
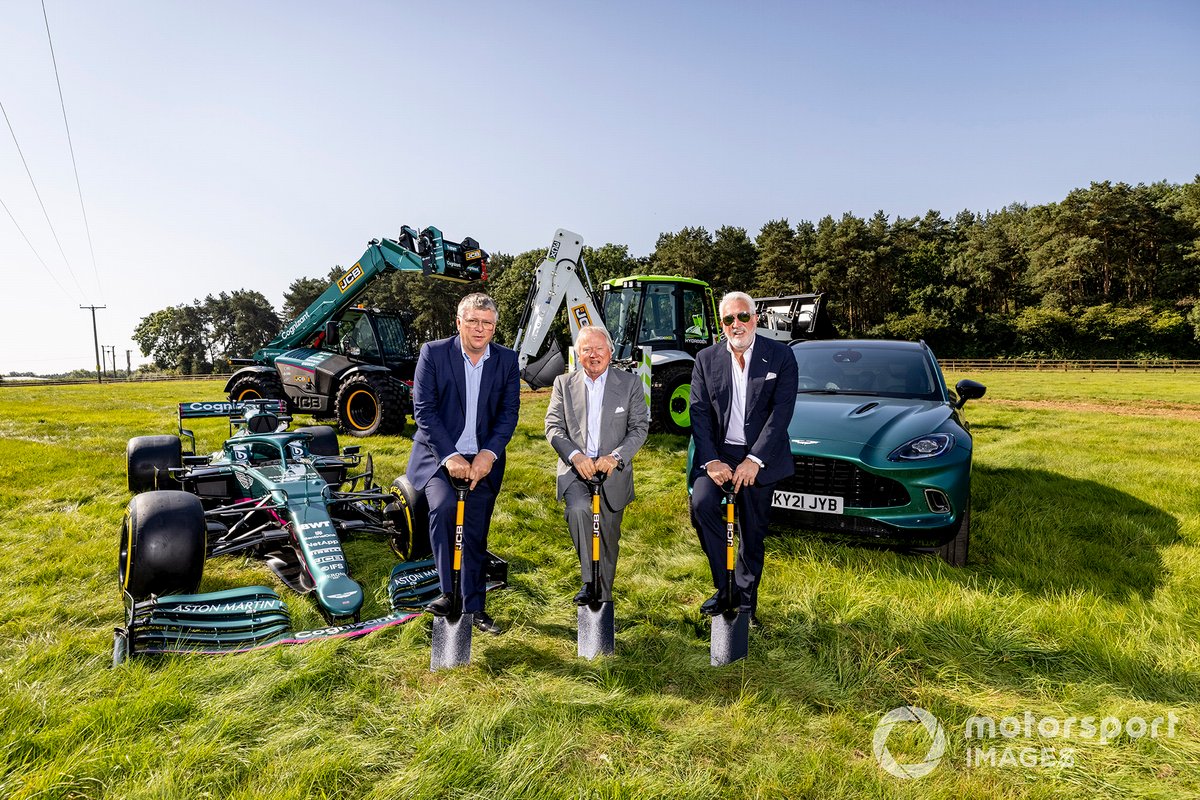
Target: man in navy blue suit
{"x":466,"y":398}
{"x":743,"y":393}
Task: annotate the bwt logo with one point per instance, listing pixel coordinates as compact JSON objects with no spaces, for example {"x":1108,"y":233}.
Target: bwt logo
{"x":909,"y":714}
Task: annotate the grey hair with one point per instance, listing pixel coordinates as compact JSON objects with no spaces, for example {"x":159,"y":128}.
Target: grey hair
{"x":591,"y":329}
{"x":735,"y":297}
{"x":477,"y":300}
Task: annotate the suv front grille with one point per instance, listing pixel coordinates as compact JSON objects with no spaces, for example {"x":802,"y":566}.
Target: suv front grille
{"x":857,"y":487}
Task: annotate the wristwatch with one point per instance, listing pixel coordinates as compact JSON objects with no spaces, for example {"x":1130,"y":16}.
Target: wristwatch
{"x":620,"y":461}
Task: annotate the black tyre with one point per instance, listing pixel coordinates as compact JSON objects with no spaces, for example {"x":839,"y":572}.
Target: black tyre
{"x":672,"y":399}
{"x":162,"y":544}
{"x":370,"y":403}
{"x":954,"y":552}
{"x":148,"y":459}
{"x":409,"y":513}
{"x":257,"y":386}
{"x":324,"y":440}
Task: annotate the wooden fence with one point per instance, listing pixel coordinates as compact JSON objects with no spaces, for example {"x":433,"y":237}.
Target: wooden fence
{"x":948,"y":364}
{"x":1065,"y":365}
{"x":18,"y":382}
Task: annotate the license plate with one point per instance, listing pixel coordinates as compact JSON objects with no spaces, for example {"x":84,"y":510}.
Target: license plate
{"x":795,"y":501}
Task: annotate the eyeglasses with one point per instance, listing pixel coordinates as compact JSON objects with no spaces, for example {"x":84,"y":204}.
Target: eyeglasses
{"x":486,"y":324}
{"x":741,"y":316}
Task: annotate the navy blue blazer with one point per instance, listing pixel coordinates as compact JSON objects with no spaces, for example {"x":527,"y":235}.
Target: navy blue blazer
{"x":439,"y":407}
{"x":770,"y":398}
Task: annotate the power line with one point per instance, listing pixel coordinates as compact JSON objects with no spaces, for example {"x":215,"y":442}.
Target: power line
{"x":45,"y":213}
{"x":36,"y":254}
{"x":71,"y":146}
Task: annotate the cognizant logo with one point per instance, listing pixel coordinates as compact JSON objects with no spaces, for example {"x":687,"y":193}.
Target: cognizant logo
{"x":909,"y":714}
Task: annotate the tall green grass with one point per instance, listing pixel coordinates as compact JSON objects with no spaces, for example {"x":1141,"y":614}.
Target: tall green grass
{"x":1081,"y":598}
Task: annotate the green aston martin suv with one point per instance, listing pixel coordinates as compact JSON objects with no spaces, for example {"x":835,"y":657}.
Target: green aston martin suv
{"x":882,"y":449}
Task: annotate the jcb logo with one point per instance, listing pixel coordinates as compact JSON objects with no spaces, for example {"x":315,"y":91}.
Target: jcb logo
{"x":553,"y":250}
{"x":582,"y":317}
{"x":347,"y":280}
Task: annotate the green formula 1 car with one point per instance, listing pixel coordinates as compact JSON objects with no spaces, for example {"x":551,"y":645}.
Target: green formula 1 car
{"x":286,"y":497}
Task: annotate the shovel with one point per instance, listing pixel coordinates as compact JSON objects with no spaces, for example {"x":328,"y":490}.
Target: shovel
{"x":730,"y":627}
{"x":595,"y":618}
{"x":452,"y":633}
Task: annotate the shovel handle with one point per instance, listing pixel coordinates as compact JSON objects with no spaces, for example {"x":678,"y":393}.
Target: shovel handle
{"x":730,"y":551}
{"x":594,"y":484}
{"x":595,"y":527}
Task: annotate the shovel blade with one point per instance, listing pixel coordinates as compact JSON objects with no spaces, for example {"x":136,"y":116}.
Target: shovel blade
{"x":596,"y":630}
{"x":451,"y":642}
{"x":730,"y":638}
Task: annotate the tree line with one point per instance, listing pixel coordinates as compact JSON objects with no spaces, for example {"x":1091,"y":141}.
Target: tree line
{"x":1110,"y":271}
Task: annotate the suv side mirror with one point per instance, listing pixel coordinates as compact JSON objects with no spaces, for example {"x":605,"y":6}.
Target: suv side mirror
{"x":968,"y":390}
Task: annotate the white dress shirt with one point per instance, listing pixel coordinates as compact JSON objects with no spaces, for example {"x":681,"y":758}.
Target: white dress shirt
{"x":594,"y":391}
{"x":735,"y":433}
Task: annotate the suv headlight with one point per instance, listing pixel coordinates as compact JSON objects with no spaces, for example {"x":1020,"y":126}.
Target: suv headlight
{"x":930,"y":445}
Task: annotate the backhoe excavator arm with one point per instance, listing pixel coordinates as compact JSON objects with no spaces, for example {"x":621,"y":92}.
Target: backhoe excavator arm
{"x":560,"y":279}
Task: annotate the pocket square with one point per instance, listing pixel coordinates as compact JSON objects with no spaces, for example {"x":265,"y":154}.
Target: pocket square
{"x":770,"y":376}
{"x":620,"y":410}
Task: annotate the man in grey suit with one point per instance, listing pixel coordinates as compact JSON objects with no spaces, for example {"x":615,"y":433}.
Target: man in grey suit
{"x":596,"y":421}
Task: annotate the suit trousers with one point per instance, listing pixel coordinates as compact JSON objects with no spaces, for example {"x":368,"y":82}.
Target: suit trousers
{"x":477,"y":515}
{"x":753,"y":504}
{"x":578,"y":497}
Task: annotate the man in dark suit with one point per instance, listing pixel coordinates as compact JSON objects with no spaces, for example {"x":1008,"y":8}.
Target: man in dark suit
{"x":466,"y":399}
{"x":597,"y":419}
{"x":743,"y":393}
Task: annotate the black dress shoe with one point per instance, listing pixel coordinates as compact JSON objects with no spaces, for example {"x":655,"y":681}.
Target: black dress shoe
{"x":485,"y":623}
{"x":442,"y":605}
{"x":584,"y":595}
{"x":712,"y":606}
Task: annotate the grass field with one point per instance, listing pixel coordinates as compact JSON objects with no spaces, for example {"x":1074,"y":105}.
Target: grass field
{"x":1082,"y":599}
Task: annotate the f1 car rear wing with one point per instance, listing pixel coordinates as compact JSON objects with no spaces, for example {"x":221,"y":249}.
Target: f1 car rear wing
{"x":259,"y":416}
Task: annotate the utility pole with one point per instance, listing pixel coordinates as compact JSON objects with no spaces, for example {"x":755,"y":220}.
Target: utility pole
{"x":128,"y":365}
{"x":96,"y":340}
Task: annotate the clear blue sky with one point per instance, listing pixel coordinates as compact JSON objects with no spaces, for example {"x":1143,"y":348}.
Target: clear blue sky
{"x":228,"y":145}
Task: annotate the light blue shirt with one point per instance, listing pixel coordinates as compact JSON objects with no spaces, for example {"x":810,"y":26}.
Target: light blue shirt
{"x":468,"y":444}
{"x":595,"y":399}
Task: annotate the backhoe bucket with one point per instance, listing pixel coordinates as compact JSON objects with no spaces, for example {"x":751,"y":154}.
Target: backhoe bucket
{"x":730,"y":639}
{"x":542,"y":371}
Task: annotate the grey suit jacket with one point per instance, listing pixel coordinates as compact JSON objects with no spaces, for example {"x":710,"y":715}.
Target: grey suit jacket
{"x":624,"y":422}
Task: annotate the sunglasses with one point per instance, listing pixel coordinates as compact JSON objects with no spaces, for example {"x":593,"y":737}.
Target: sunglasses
{"x":741,"y":316}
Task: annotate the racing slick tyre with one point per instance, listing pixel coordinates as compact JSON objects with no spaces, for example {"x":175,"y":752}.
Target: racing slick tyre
{"x":370,"y":403}
{"x":409,"y":513}
{"x":257,"y":386}
{"x":954,"y":552}
{"x":148,"y":459}
{"x":324,"y":440}
{"x":162,"y":544}
{"x":672,"y":399}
